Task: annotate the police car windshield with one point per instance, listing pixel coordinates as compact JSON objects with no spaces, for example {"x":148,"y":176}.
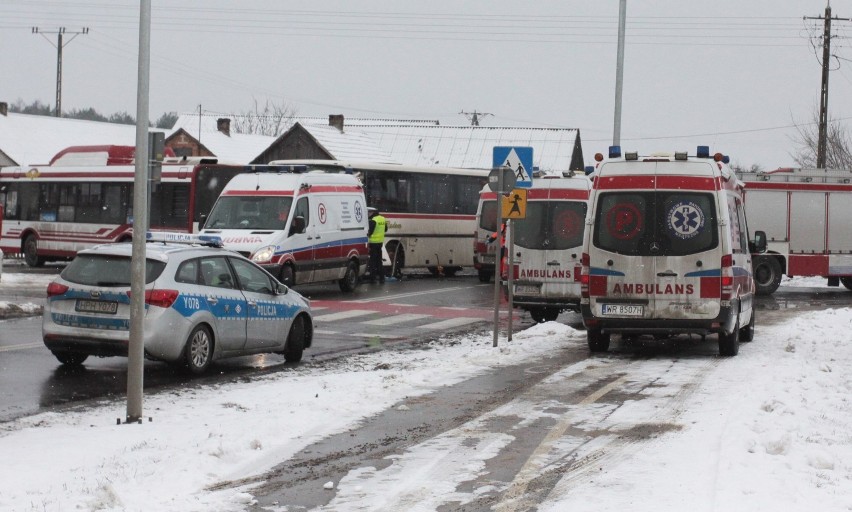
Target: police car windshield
{"x":661,"y":223}
{"x":250,"y":212}
{"x":107,"y":271}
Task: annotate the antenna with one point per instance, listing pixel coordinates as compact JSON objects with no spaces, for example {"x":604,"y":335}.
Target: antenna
{"x":59,"y":46}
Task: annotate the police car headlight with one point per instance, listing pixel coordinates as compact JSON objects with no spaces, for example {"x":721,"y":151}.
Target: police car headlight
{"x":264,"y":254}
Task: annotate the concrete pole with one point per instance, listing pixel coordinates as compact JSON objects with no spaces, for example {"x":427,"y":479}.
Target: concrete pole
{"x":136,"y":349}
{"x":619,"y":72}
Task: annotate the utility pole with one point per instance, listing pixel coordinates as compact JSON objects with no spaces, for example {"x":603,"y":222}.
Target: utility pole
{"x":619,"y":73}
{"x":474,"y":116}
{"x":822,"y":136}
{"x":59,"y":45}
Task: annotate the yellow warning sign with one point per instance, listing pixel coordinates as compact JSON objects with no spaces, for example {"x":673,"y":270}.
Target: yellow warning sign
{"x":514,"y":205}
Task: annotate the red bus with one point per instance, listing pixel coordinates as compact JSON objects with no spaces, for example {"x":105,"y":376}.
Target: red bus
{"x":84,"y":197}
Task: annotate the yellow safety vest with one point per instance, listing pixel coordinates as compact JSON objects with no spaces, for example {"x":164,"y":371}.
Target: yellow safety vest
{"x":378,"y":235}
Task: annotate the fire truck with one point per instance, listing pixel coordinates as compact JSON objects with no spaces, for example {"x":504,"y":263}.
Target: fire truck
{"x":805,"y":214}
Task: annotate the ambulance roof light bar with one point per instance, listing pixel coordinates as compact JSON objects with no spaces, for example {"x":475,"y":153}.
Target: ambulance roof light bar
{"x":703,"y":152}
{"x":615,"y":151}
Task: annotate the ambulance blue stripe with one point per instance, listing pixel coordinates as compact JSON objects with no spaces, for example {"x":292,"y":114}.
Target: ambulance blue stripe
{"x":350,"y":241}
{"x":715,"y":272}
{"x":594,"y":271}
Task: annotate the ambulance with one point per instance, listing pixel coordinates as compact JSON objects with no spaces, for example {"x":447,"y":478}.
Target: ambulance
{"x":302,"y":226}
{"x":666,"y":250}
{"x":547,"y":245}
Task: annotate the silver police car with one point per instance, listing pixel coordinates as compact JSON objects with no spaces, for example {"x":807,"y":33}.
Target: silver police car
{"x":202,"y":303}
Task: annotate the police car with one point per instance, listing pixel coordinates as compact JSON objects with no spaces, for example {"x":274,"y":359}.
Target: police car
{"x":202,"y":303}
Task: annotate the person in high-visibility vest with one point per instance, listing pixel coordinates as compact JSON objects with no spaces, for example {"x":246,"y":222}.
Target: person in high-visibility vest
{"x":375,"y":240}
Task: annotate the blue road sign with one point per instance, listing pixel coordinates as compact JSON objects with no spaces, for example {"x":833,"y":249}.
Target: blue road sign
{"x":520,"y":159}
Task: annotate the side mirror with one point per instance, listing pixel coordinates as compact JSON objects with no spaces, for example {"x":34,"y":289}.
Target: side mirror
{"x":281,"y":289}
{"x":202,"y":220}
{"x":758,"y":245}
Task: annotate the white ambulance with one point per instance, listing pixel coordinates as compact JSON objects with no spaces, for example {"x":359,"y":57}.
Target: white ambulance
{"x":548,"y":244}
{"x":666,"y":250}
{"x":303,"y":227}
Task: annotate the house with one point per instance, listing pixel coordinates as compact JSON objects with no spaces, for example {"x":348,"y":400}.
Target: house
{"x":406,"y":142}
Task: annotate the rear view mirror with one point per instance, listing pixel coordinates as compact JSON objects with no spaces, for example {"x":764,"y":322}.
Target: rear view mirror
{"x":758,"y":245}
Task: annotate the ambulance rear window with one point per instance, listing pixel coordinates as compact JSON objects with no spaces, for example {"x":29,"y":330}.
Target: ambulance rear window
{"x":655,"y":223}
{"x":551,"y":225}
{"x":488,"y":216}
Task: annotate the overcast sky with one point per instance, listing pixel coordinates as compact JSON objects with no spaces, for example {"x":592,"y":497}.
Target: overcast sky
{"x":730,"y":74}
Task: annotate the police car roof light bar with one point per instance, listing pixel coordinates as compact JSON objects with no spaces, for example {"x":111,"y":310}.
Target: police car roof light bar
{"x":183,"y":238}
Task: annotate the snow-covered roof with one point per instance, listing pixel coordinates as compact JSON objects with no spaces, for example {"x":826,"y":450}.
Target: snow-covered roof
{"x":350,"y":144}
{"x":33,"y":140}
{"x":471,"y":146}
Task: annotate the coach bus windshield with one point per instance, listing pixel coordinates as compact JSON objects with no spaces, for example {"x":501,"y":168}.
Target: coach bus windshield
{"x":250,"y":212}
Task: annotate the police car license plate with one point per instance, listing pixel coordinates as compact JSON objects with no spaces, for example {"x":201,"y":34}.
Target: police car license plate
{"x":97,"y":306}
{"x":622,"y":310}
{"x":527,"y":290}
{"x":488,"y":258}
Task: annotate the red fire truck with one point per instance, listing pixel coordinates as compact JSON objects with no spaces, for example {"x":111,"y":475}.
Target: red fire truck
{"x":805,"y":214}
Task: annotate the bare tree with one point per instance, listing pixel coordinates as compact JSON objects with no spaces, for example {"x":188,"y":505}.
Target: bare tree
{"x":271,"y":120}
{"x":838,"y":148}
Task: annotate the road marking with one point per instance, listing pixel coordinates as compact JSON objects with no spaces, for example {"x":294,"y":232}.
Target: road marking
{"x":451,"y":323}
{"x":515,"y":496}
{"x":22,"y":346}
{"x":396,"y":319}
{"x":412,"y":294}
{"x":324,"y":332}
{"x":343,"y":315}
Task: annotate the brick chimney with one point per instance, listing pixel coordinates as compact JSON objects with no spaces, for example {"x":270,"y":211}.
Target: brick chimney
{"x":336,"y":120}
{"x":223,"y":124}
{"x":4,"y":108}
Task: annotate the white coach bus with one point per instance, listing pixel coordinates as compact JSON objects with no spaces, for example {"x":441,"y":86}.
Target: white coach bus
{"x":431,"y":211}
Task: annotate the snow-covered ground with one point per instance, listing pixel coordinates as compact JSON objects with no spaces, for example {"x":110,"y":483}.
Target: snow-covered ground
{"x":767,"y":430}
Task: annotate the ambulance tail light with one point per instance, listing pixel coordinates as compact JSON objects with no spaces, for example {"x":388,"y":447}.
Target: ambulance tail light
{"x":584,"y":275}
{"x":727,"y":276}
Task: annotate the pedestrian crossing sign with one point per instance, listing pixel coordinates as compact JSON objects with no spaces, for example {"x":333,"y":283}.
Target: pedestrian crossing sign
{"x":520,"y":159}
{"x":514,"y":206}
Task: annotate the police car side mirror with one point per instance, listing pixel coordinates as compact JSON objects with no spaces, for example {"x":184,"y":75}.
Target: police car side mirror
{"x":758,"y":245}
{"x":281,"y":289}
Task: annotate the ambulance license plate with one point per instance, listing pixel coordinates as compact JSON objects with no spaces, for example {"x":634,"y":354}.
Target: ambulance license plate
{"x":622,"y":310}
{"x":527,"y":290}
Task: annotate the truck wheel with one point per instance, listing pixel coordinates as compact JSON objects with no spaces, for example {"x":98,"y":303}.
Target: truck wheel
{"x":295,"y":341}
{"x":767,"y":274}
{"x":729,"y":344}
{"x":847,"y":282}
{"x":350,"y":278}
{"x":747,"y":332}
{"x":485,"y":276}
{"x":598,"y":341}
{"x":287,"y":275}
{"x":31,"y":256}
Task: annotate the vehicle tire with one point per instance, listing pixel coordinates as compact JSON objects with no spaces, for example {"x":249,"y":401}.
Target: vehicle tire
{"x":747,"y":332}
{"x":729,"y":344}
{"x":198,"y":353}
{"x":847,"y":282}
{"x":70,"y":358}
{"x":350,"y":279}
{"x":541,"y":315}
{"x":287,"y":275}
{"x":485,"y":276}
{"x":598,"y":341}
{"x":295,"y":341}
{"x":767,"y":274}
{"x":31,"y":256}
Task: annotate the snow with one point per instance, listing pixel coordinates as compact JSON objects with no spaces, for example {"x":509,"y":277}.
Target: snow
{"x":766,"y":430}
